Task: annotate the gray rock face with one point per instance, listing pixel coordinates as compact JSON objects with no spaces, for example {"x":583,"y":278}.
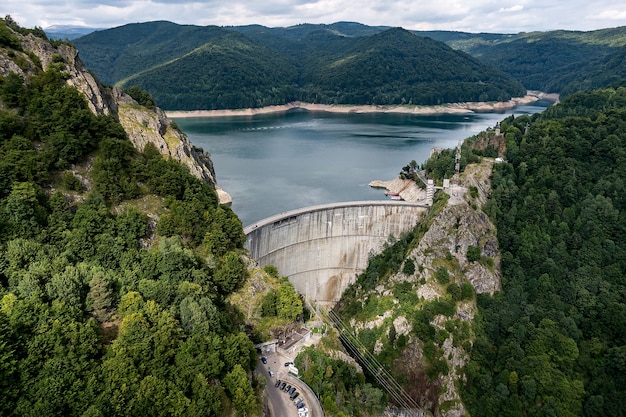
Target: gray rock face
{"x":79,"y":76}
{"x":142,"y":125}
{"x":452,"y":231}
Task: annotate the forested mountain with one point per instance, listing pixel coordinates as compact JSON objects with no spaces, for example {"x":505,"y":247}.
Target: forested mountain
{"x":544,"y":60}
{"x":186,"y":67}
{"x":192,"y":67}
{"x":118,"y":53}
{"x":115,"y":262}
{"x":395,"y":66}
{"x":552,"y":341}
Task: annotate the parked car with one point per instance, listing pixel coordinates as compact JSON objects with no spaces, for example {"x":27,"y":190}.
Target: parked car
{"x":271,"y":373}
{"x":287,"y":388}
{"x":288,"y":363}
{"x":277,"y":384}
{"x":294,"y":395}
{"x":263,"y":359}
{"x":300,"y":405}
{"x":282,"y":386}
{"x":291,"y":391}
{"x":297,"y":401}
{"x":303,"y":410}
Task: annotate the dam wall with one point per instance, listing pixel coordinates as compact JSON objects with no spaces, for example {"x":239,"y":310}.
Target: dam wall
{"x":322,"y":249}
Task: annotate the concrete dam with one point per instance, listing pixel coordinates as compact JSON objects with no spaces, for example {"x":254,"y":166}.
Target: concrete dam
{"x":321,"y":249}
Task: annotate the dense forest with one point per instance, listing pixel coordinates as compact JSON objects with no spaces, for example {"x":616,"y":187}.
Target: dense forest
{"x":558,"y":61}
{"x":192,"y":67}
{"x":553,"y":342}
{"x":115,"y":266}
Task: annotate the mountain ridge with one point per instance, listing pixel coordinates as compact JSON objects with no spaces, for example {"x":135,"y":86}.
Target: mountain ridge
{"x":300,"y":66}
{"x":273,"y":67}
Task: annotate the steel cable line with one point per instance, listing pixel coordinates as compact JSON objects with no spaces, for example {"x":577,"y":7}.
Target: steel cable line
{"x":375,"y":368}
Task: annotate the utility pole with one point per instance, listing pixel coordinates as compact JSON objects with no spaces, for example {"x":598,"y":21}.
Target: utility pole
{"x":457,"y":163}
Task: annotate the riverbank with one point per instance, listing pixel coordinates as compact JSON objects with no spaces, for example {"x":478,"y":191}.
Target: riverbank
{"x":450,"y":108}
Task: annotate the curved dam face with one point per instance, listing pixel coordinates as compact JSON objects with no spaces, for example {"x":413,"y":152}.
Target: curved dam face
{"x":321,"y":249}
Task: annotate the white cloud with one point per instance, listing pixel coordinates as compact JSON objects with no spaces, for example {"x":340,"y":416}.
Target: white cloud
{"x":516,"y":8}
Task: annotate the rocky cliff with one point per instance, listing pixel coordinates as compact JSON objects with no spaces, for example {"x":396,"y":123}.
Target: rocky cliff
{"x":142,"y":125}
{"x":457,"y":247}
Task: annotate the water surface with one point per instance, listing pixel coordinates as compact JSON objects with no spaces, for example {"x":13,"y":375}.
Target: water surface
{"x":278,"y":162}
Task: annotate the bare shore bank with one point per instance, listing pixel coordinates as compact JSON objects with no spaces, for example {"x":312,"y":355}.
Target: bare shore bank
{"x":450,"y":108}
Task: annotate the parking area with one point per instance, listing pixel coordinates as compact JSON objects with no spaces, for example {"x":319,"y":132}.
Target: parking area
{"x":287,"y":396}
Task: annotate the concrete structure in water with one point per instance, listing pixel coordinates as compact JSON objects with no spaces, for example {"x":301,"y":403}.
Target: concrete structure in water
{"x":323,"y":248}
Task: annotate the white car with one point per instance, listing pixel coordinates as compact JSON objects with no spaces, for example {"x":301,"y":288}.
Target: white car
{"x":303,"y":411}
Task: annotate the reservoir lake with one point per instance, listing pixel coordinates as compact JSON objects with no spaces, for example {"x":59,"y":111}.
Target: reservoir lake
{"x":272,"y":163}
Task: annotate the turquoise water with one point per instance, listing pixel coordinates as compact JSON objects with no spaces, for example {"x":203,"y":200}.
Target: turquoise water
{"x":278,"y":162}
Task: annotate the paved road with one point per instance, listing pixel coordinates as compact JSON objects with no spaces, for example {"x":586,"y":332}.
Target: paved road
{"x":278,"y":401}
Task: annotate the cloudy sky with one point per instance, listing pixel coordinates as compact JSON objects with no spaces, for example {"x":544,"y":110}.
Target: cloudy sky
{"x":494,"y":16}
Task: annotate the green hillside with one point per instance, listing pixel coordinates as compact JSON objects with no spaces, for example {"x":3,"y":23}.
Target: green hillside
{"x":553,"y":61}
{"x":552,"y":341}
{"x":397,"y":67}
{"x":186,"y":67}
{"x":118,"y":53}
{"x":115,"y":265}
{"x":224,"y":73}
{"x":545,"y":61}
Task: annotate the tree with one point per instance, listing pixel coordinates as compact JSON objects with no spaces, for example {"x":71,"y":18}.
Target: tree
{"x":442,"y":276}
{"x":100,"y":296}
{"x":268,"y":305}
{"x":69,"y":285}
{"x":140,"y":96}
{"x":199,"y":317}
{"x":288,"y":301}
{"x":199,"y":355}
{"x":239,"y":390}
{"x":230,"y":274}
{"x":158,"y":397}
{"x":25,"y":211}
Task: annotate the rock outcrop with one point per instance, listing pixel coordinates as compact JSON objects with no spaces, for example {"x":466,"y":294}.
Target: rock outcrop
{"x":452,"y":231}
{"x":145,"y":126}
{"x":459,"y":225}
{"x":406,"y":189}
{"x":142,"y":125}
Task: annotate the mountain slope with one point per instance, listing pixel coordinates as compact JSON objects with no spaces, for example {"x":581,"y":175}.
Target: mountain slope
{"x":544,"y":60}
{"x":397,"y":67}
{"x":115,"y":261}
{"x":188,"y":68}
{"x":229,"y":72}
{"x":117,"y":53}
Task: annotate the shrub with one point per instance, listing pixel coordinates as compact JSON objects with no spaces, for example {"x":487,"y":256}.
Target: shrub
{"x":409,"y":267}
{"x":442,"y":276}
{"x":473,"y":253}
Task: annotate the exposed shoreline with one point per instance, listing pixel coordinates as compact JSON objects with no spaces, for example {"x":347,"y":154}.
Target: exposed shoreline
{"x":451,"y":108}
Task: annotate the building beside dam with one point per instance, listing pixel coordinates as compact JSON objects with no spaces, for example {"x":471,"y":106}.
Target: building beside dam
{"x":321,"y":249}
